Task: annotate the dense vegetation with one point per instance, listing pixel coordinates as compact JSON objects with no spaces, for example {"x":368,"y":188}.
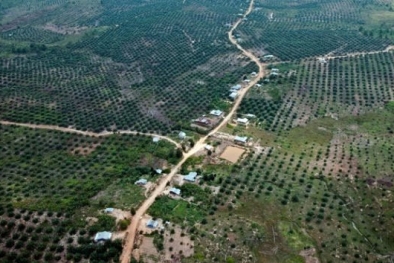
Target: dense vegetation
{"x":146,"y":66}
{"x":310,"y":28}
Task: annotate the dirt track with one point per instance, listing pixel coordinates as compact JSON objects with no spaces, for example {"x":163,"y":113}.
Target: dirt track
{"x":87,"y":133}
{"x":128,"y":248}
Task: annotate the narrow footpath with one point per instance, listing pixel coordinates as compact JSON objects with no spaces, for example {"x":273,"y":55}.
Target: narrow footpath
{"x":132,"y":229}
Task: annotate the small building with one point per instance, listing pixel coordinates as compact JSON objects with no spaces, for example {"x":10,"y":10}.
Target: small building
{"x":152,"y":223}
{"x":102,"y":236}
{"x":268,"y":57}
{"x":108,"y":210}
{"x":216,"y":113}
{"x":274,"y":74}
{"x":158,"y":171}
{"x":247,"y":80}
{"x":274,"y":70}
{"x":251,"y":116}
{"x":234,"y":95}
{"x":243,"y":121}
{"x":258,"y":85}
{"x":253,"y":74}
{"x":236,"y":87}
{"x":175,"y":191}
{"x":191,"y":177}
{"x":156,"y":139}
{"x":241,"y":140}
{"x":202,"y":121}
{"x":141,"y":182}
{"x":182,"y":135}
{"x":322,"y":60}
{"x":208,"y":147}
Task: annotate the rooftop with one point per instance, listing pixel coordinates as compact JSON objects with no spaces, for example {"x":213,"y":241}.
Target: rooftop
{"x":175,"y":191}
{"x":159,"y":171}
{"x":141,"y":181}
{"x":241,"y":139}
{"x":152,"y":223}
{"x":191,"y":177}
{"x":156,"y":139}
{"x":182,"y":135}
{"x":101,"y":236}
{"x":236,"y":87}
{"x":242,"y":120}
{"x":233,"y":95}
{"x":216,"y":112}
{"x":108,"y":210}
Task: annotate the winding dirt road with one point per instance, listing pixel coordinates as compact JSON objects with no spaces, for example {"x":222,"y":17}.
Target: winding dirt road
{"x":87,"y":133}
{"x":132,"y":229}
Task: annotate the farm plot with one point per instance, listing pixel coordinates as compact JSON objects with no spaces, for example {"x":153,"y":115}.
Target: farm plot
{"x":341,"y":87}
{"x":52,"y":181}
{"x":305,"y":29}
{"x":320,"y":186}
{"x":145,"y":66}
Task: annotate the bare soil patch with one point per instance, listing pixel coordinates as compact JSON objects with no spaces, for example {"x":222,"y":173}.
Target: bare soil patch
{"x":232,"y":153}
{"x":309,"y":255}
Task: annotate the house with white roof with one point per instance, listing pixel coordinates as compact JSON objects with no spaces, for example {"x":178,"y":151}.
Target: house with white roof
{"x":175,"y":191}
{"x":234,"y":95}
{"x":216,"y":113}
{"x":108,"y":210}
{"x":243,"y":121}
{"x":141,"y":182}
{"x":236,"y":87}
{"x":102,"y":236}
{"x":241,"y":140}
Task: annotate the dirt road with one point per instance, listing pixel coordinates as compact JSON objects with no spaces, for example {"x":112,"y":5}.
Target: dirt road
{"x":128,"y":247}
{"x":87,"y":133}
{"x":387,"y":49}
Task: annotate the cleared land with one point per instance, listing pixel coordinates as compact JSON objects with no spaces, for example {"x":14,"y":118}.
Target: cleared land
{"x":232,"y":153}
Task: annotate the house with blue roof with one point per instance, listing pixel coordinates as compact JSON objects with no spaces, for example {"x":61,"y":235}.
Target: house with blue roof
{"x":152,"y":223}
{"x":191,"y":177}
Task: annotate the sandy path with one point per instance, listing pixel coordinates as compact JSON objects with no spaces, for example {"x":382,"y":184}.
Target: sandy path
{"x":128,"y":247}
{"x":87,"y":133}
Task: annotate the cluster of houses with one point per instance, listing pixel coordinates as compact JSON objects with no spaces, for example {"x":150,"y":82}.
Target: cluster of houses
{"x":274,"y":72}
{"x":208,"y":122}
{"x":191,"y":178}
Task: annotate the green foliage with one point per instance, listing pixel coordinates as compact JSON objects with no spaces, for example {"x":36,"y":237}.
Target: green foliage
{"x":199,"y":194}
{"x":176,"y":211}
{"x":123,"y":224}
{"x":104,"y":223}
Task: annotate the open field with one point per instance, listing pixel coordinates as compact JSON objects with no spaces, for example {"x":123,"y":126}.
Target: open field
{"x":232,"y":154}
